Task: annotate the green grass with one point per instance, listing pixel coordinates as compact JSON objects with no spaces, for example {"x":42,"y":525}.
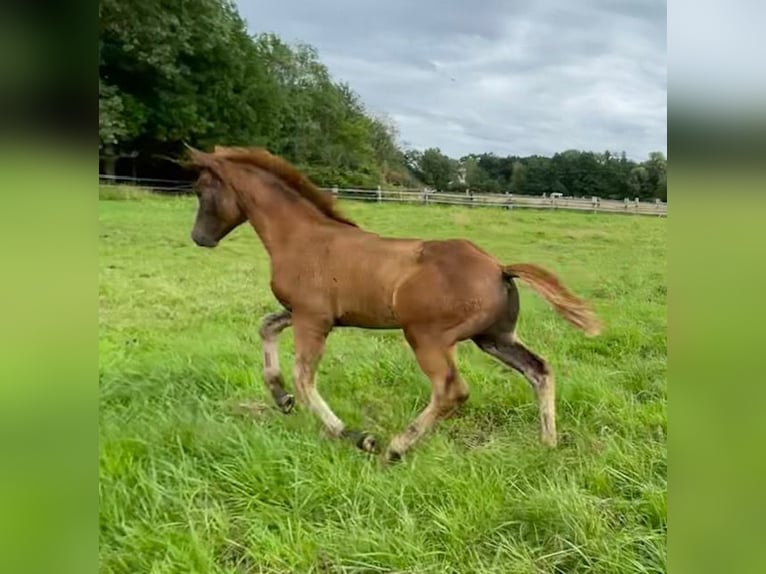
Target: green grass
{"x":187,"y":484}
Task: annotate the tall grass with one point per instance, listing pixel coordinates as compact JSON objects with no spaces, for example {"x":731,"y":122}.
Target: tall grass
{"x":190,"y":484}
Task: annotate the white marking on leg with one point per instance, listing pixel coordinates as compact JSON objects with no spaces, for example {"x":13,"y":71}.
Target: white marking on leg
{"x":329,"y":418}
{"x":270,"y":358}
{"x":307,"y":392}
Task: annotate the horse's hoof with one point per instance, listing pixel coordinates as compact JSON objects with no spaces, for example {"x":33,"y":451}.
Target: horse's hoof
{"x":363,"y":441}
{"x":392,"y":456}
{"x":286,"y":403}
{"x":368,"y":443}
{"x":549,"y":440}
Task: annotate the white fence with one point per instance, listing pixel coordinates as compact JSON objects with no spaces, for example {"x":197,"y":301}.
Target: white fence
{"x":427,"y":197}
{"x":505,"y":201}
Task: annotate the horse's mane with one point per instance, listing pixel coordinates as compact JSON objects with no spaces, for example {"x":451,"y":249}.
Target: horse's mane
{"x":288,"y":174}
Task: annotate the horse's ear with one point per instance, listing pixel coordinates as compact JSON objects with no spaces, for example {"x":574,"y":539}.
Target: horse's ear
{"x":193,"y":152}
{"x":200,"y":160}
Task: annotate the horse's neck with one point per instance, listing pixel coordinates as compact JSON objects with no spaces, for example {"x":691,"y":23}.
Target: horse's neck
{"x":277,"y":218}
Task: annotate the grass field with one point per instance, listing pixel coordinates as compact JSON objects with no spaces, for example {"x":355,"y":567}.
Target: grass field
{"x":189,"y":484}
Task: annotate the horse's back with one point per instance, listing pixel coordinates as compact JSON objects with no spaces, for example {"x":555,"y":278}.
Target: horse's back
{"x":456,"y":287}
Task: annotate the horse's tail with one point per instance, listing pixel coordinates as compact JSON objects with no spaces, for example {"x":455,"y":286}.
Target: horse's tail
{"x":569,"y":306}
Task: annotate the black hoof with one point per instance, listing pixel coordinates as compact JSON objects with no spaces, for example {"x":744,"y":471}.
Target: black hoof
{"x":286,"y":403}
{"x":363,"y":441}
{"x":393,"y":456}
{"x":368,"y":443}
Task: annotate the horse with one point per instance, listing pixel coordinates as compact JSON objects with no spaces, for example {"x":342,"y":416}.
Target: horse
{"x":328,"y":273}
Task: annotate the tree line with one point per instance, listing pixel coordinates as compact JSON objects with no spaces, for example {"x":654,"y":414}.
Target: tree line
{"x":572,"y":173}
{"x":173,"y":72}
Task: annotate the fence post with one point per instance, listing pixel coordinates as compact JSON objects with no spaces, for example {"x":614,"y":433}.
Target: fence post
{"x":335,"y":190}
{"x":424,"y":197}
{"x":626,"y":203}
{"x":380,"y":195}
{"x":636,"y":203}
{"x":594,"y":199}
{"x":509,"y":200}
{"x":473,"y":198}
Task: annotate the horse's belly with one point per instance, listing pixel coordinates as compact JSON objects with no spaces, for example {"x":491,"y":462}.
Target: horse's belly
{"x":367,"y":318}
{"x":372,"y":312}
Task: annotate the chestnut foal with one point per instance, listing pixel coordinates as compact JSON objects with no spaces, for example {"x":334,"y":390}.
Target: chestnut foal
{"x":327,"y":272}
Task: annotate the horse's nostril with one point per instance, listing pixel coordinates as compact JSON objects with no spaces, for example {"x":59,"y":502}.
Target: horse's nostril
{"x":202,"y":240}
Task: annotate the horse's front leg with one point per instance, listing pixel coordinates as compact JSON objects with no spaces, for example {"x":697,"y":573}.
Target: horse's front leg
{"x":271,"y":326}
{"x":310,"y":338}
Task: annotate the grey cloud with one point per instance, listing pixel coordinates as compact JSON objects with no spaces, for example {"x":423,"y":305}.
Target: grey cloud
{"x":496,"y":76}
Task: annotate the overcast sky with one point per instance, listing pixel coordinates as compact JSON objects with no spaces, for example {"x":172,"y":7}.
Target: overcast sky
{"x":498,"y":76}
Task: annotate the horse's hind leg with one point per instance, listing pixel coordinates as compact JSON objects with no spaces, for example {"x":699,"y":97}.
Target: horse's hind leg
{"x":271,"y":326}
{"x":507,"y":348}
{"x":448,"y":391}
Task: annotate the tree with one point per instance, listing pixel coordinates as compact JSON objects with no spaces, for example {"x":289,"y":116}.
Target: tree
{"x":656,"y":168}
{"x":412,"y":161}
{"x":476,"y":178}
{"x":174,"y":72}
{"x":638,"y":181}
{"x":437,"y":169}
{"x":182,"y":72}
{"x":518,"y":176}
{"x":661,"y":191}
{"x":190,"y":72}
{"x":111,"y":123}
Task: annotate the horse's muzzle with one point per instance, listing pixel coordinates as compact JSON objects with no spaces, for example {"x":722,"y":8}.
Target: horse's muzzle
{"x":202,"y":240}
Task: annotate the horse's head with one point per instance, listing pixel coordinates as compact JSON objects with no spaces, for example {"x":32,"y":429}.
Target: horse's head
{"x":218,"y":212}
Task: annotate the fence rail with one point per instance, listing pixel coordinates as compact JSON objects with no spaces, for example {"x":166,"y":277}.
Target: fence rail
{"x":152,"y":184}
{"x":427,"y":197}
